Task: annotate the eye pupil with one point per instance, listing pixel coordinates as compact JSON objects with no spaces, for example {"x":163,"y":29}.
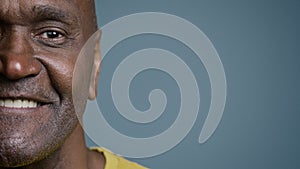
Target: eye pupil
{"x":52,"y":34}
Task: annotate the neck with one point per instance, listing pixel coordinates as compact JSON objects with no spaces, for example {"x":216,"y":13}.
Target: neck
{"x":73,"y":154}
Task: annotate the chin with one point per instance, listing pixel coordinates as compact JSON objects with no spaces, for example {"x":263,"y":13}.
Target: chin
{"x":17,"y":152}
{"x":29,"y":139}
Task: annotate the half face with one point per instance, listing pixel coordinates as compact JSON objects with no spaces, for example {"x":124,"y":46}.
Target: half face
{"x":39,"y":44}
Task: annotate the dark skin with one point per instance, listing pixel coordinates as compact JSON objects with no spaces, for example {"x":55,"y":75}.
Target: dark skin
{"x":39,"y":43}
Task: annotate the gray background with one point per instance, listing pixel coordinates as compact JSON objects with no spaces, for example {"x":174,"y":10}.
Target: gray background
{"x":258,"y":43}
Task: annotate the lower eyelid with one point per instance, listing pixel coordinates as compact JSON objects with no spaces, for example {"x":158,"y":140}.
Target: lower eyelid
{"x":51,"y":42}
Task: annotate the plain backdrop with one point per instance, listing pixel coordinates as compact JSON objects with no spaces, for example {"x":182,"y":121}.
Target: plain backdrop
{"x":259,"y":45}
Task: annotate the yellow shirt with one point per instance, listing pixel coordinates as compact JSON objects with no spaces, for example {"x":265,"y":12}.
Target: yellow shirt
{"x":116,"y":162}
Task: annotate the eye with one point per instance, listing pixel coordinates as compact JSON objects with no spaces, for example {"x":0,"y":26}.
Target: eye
{"x":51,"y":37}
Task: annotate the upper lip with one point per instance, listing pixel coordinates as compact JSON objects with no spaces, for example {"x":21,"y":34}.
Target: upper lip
{"x":31,"y":98}
{"x":38,"y":99}
{"x":32,"y":89}
{"x":39,"y":102}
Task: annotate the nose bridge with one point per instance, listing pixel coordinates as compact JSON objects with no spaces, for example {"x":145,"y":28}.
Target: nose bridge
{"x":17,"y":56}
{"x":17,"y":41}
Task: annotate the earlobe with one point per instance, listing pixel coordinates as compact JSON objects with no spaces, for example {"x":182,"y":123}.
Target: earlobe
{"x":96,"y":69}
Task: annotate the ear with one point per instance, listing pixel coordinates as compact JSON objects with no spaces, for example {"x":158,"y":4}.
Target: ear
{"x":96,"y":69}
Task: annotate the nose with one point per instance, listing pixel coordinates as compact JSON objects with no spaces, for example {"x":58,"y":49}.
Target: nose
{"x":17,"y":58}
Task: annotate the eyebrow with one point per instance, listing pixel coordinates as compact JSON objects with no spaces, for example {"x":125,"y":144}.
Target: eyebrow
{"x":46,"y":12}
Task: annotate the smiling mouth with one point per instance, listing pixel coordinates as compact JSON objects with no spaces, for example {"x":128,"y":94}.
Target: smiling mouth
{"x":19,"y":103}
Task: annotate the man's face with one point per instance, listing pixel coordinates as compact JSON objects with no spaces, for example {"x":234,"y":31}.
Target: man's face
{"x":39,"y":44}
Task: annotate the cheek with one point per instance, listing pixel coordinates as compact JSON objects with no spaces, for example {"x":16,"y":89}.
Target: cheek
{"x":59,"y":69}
{"x":69,"y":75}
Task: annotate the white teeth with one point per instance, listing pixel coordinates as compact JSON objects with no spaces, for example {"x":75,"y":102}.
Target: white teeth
{"x":18,"y":103}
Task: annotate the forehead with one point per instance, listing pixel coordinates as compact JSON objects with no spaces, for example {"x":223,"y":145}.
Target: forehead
{"x":26,"y":9}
